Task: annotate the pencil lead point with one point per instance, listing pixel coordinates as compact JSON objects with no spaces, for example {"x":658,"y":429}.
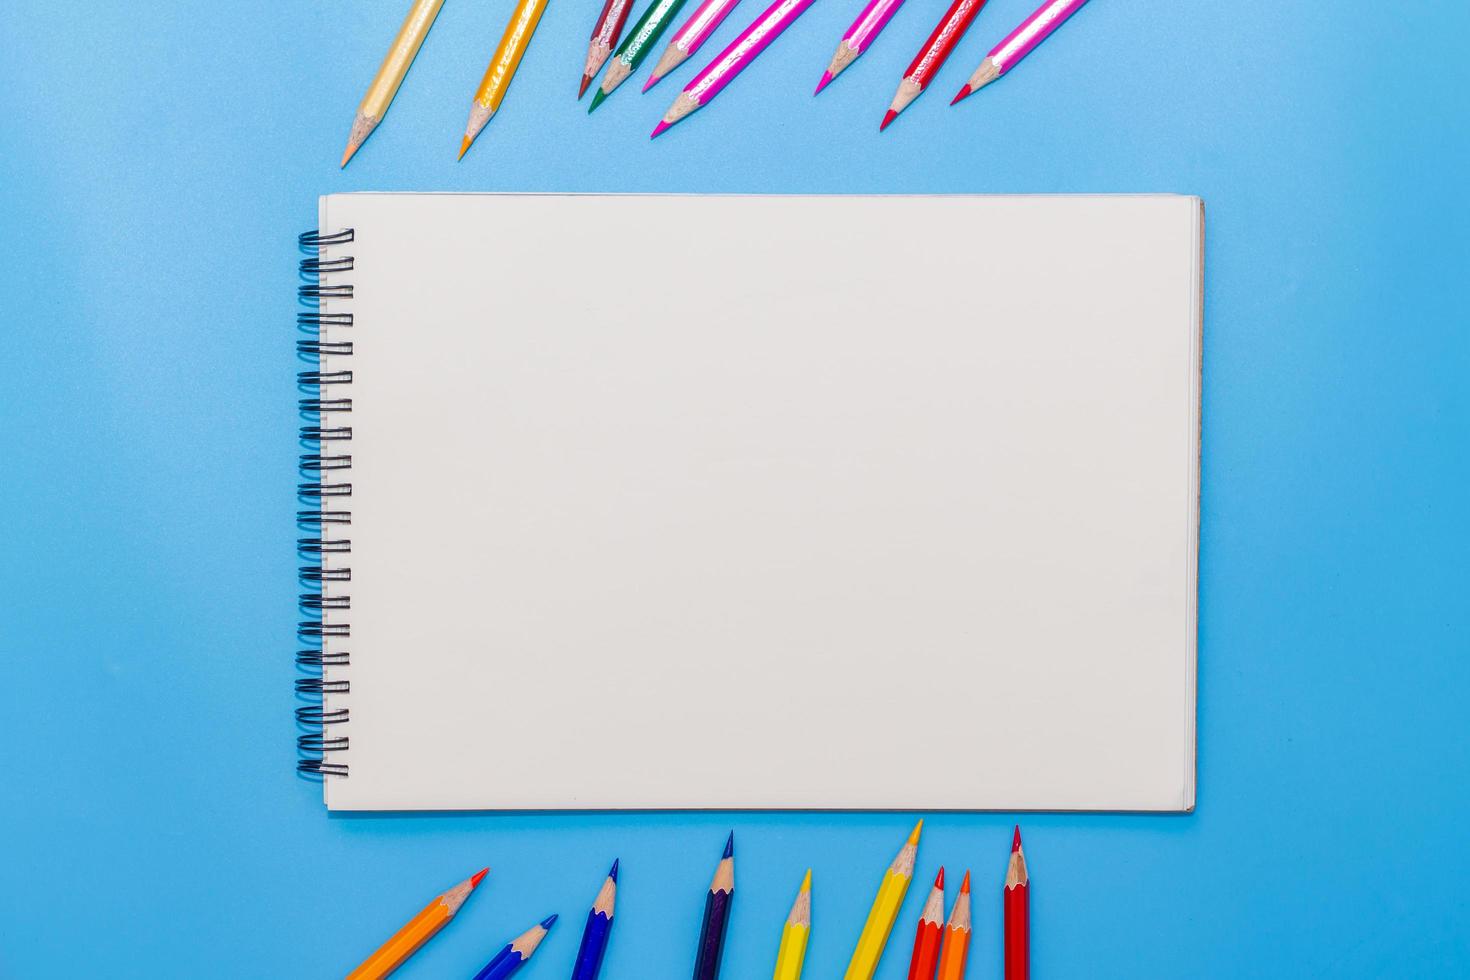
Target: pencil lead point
{"x":963,"y":93}
{"x":464,"y":146}
{"x":827,"y":77}
{"x":965,"y":885}
{"x":806,"y":883}
{"x":478,"y":877}
{"x":729,"y":846}
{"x":597,"y":100}
{"x":939,"y":878}
{"x":347,"y":155}
{"x":1016,"y":839}
{"x":652,"y":81}
{"x":582,"y":89}
{"x":888,"y":117}
{"x":549,"y":921}
{"x":658,"y":129}
{"x":918,"y":828}
{"x":613,"y":871}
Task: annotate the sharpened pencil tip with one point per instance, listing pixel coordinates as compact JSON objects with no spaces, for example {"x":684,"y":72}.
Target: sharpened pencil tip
{"x":652,"y":81}
{"x":965,"y":885}
{"x":478,"y":877}
{"x":888,"y":117}
{"x":1016,"y":839}
{"x":613,"y":871}
{"x":597,"y":100}
{"x":729,"y":846}
{"x":658,"y":129}
{"x":918,"y":828}
{"x":582,"y":89}
{"x":827,"y":77}
{"x":347,"y":155}
{"x":464,"y":146}
{"x":806,"y":883}
{"x":549,"y":921}
{"x":963,"y":93}
{"x":939,"y":878}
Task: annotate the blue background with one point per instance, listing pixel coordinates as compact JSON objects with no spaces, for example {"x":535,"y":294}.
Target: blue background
{"x":156,"y":162}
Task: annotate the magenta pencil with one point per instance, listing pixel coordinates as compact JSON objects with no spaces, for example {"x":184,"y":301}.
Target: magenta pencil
{"x":733,"y":60}
{"x":874,"y":17}
{"x":1018,"y":43}
{"x":696,"y":30}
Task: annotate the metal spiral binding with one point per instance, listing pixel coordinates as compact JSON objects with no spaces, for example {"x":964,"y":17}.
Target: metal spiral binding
{"x":325,"y":437}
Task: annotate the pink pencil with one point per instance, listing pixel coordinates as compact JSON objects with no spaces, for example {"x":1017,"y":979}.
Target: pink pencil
{"x":1018,"y":43}
{"x":733,"y":60}
{"x":869,"y":23}
{"x":696,"y":30}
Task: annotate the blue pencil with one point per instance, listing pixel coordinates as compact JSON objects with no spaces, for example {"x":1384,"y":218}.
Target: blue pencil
{"x":516,"y":952}
{"x":599,"y":925}
{"x":716,"y":916}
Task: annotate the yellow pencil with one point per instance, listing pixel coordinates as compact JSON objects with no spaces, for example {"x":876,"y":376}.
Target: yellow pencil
{"x":503,"y":65}
{"x":794,"y":936}
{"x":895,"y":885}
{"x":390,"y":74}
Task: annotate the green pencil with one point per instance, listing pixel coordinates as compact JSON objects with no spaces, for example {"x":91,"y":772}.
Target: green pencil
{"x":635,"y":47}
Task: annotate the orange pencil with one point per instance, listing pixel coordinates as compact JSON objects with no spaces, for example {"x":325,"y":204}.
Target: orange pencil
{"x":957,"y":936}
{"x":929,"y":934}
{"x":419,"y":930}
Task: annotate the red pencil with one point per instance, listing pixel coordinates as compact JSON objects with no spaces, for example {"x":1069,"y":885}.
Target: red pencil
{"x":930,"y":933}
{"x":932,"y":55}
{"x":1017,"y":914}
{"x":605,"y":34}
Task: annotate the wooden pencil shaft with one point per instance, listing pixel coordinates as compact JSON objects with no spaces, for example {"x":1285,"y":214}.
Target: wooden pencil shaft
{"x":400,"y":56}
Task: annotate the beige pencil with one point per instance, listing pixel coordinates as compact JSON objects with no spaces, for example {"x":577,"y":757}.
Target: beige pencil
{"x":390,"y":74}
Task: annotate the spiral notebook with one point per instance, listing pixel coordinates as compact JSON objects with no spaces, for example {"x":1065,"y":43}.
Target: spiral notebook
{"x":751,"y":502}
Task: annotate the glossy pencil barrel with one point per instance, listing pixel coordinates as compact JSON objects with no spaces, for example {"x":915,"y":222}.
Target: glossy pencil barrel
{"x":932,"y":56}
{"x":635,"y":48}
{"x":711,"y":947}
{"x":594,"y":945}
{"x":1031,"y":32}
{"x":734,"y":59}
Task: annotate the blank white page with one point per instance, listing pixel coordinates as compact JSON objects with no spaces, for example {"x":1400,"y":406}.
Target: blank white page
{"x":769,"y":502}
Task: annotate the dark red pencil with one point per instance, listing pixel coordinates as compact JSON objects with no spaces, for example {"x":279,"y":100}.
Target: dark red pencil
{"x":932,"y":55}
{"x":1017,"y":914}
{"x":605,"y":34}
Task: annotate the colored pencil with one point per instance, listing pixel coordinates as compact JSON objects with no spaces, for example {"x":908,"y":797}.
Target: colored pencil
{"x":885,"y":910}
{"x":514,"y":954}
{"x":733,"y":60}
{"x":1018,"y":43}
{"x":869,"y":24}
{"x":929,"y":934}
{"x":390,"y":74}
{"x":932,"y":56}
{"x":599,"y":927}
{"x":640,"y":42}
{"x":706,"y":18}
{"x":956,"y":936}
{"x":794,"y":936}
{"x":716,"y":916}
{"x":418,"y":930}
{"x":605,"y":34}
{"x":502,"y":69}
{"x":1017,"y":913}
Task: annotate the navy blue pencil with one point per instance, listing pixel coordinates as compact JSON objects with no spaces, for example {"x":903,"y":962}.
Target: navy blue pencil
{"x":516,"y":952}
{"x":599,"y":925}
{"x":716,"y":916}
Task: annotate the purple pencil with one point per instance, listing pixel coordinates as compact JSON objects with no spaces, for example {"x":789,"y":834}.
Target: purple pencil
{"x":1018,"y":43}
{"x":696,"y":30}
{"x":733,"y":60}
{"x":874,"y":17}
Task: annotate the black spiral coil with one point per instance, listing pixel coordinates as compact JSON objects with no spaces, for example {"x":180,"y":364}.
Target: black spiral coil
{"x":325,"y":438}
